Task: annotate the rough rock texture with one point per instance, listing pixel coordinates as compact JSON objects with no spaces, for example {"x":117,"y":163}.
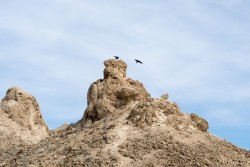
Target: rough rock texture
{"x":21,"y":123}
{"x":201,"y":123}
{"x":123,"y":126}
{"x":114,"y":92}
{"x":22,"y":108}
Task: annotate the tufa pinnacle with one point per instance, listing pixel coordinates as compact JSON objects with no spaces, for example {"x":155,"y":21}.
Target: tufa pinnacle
{"x":116,"y":93}
{"x":113,"y":93}
{"x":22,"y":108}
{"x":122,"y":126}
{"x":115,"y":69}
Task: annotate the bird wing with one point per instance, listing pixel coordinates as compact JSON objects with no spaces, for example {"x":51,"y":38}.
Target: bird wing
{"x":138,"y":61}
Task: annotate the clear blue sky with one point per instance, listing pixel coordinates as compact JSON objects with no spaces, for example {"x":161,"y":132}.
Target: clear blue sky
{"x":195,"y":50}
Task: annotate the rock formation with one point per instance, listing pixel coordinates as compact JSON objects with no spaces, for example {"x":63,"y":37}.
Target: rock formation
{"x":21,"y":123}
{"x":22,"y":108}
{"x":114,"y":92}
{"x":123,"y":126}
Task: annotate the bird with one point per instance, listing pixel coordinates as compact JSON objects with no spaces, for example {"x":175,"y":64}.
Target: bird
{"x":116,"y":57}
{"x":138,"y":61}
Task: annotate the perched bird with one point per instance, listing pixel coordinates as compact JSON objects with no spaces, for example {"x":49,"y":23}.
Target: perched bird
{"x":116,"y":57}
{"x":138,"y":61}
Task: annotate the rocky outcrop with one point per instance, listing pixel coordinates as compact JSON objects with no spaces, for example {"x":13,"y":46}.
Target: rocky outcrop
{"x":23,"y":109}
{"x":152,"y":111}
{"x":201,"y":123}
{"x":113,"y":92}
{"x":123,"y":126}
{"x":115,"y":69}
{"x":21,"y":124}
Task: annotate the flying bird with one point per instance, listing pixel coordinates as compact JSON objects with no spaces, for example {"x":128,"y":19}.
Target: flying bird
{"x":116,"y":57}
{"x":138,"y":61}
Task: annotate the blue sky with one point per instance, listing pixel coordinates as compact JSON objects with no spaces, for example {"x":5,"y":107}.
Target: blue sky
{"x":195,"y":50}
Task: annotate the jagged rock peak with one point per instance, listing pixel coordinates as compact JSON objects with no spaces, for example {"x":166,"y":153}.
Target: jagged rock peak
{"x":113,"y":93}
{"x":22,"y":108}
{"x":17,"y":94}
{"x":116,"y":93}
{"x":115,"y":69}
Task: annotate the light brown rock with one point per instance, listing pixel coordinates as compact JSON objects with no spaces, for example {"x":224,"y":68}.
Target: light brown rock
{"x":201,"y":123}
{"x":22,"y":108}
{"x":115,"y":69}
{"x":122,"y":126}
{"x":114,"y":92}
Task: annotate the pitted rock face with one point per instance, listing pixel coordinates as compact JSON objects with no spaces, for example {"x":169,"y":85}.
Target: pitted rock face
{"x":131,"y":129}
{"x":116,"y":69}
{"x":22,"y":108}
{"x":201,"y":123}
{"x":113,"y":93}
{"x":117,"y":93}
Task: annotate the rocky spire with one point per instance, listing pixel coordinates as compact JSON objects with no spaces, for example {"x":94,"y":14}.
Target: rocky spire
{"x":117,"y":93}
{"x":116,"y":69}
{"x":22,"y":108}
{"x":113,"y":93}
{"x":133,"y":129}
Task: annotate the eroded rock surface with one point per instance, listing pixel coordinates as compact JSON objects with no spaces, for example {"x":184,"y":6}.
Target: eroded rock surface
{"x":21,"y":124}
{"x":114,"y":92}
{"x":22,"y":108}
{"x":123,"y":126}
{"x":201,"y":123}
